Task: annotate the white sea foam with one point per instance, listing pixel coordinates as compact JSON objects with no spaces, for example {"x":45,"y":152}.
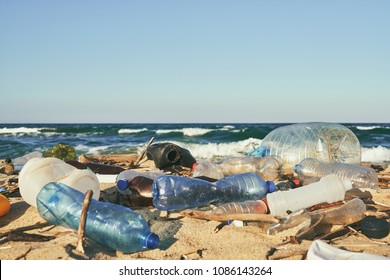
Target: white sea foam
{"x":376,"y":154}
{"x":186,"y":131}
{"x":131,"y":131}
{"x":19,"y":130}
{"x":367,"y":127}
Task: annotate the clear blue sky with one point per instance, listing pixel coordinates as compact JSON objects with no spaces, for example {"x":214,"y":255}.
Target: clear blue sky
{"x":194,"y":61}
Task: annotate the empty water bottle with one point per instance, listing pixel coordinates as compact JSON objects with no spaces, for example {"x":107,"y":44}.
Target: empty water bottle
{"x":111,"y":225}
{"x":311,"y":169}
{"x":267,"y":167}
{"x":244,"y":207}
{"x":328,"y":142}
{"x":125,"y":177}
{"x":179,"y":192}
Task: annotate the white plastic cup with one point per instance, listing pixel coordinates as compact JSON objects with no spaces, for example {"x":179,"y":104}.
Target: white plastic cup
{"x":37,"y":172}
{"x":328,"y":190}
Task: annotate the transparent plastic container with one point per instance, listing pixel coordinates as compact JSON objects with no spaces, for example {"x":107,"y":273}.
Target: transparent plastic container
{"x":311,"y":169}
{"x":179,"y":192}
{"x":328,"y":142}
{"x":111,"y":225}
{"x":125,"y":177}
{"x":329,"y":189}
{"x":37,"y":172}
{"x":244,"y":207}
{"x":268,"y":168}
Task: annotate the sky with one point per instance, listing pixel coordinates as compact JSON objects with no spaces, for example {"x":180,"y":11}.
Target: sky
{"x":168,"y":61}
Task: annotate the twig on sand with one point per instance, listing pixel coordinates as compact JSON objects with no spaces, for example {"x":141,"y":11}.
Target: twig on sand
{"x":141,"y":155}
{"x":24,"y":254}
{"x":83,"y":218}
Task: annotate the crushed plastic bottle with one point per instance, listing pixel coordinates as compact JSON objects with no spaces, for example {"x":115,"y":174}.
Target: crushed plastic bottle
{"x":179,"y":192}
{"x":311,"y":169}
{"x":111,"y":225}
{"x":328,"y":142}
{"x":268,"y":168}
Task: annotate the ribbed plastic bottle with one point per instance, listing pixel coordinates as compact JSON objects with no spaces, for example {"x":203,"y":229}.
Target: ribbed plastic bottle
{"x":328,"y":142}
{"x":329,"y":189}
{"x":111,"y":225}
{"x":123,"y":179}
{"x":37,"y":172}
{"x":244,"y":207}
{"x":179,"y":192}
{"x":268,"y":167}
{"x":361,"y":177}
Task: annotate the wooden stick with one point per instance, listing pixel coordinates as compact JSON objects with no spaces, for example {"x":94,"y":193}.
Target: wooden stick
{"x":83,"y":218}
{"x":230,"y":217}
{"x":24,"y":254}
{"x":26,"y":228}
{"x":136,"y":162}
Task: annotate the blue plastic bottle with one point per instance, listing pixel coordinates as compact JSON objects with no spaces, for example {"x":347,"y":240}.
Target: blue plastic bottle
{"x":112,"y":225}
{"x":179,"y":192}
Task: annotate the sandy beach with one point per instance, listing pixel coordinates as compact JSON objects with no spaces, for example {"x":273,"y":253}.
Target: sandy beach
{"x":184,"y":238}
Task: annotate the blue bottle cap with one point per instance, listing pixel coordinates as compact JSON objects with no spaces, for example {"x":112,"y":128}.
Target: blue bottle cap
{"x":270,"y":185}
{"x":122,"y":184}
{"x":152,"y":241}
{"x":298,"y":168}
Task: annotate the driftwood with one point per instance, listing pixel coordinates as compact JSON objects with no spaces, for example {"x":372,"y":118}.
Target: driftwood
{"x":111,"y":159}
{"x":83,"y":219}
{"x":142,"y":154}
{"x":206,"y":215}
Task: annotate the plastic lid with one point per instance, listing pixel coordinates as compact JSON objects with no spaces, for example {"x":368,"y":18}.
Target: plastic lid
{"x":122,"y":184}
{"x":373,"y":227}
{"x":194,"y":166}
{"x":297,"y":168}
{"x":270,"y":185}
{"x":152,"y":241}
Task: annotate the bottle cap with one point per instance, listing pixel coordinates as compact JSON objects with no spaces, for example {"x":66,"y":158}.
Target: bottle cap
{"x":152,"y":241}
{"x":122,"y":184}
{"x":194,"y":166}
{"x":297,"y":168}
{"x":270,"y":185}
{"x":373,"y":227}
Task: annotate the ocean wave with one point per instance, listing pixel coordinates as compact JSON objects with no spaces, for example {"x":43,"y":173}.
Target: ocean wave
{"x":376,"y":154}
{"x":186,"y":131}
{"x":131,"y":131}
{"x":20,"y":130}
{"x":368,"y":127}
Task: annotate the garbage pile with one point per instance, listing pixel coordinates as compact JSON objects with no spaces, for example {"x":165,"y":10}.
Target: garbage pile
{"x":298,"y":180}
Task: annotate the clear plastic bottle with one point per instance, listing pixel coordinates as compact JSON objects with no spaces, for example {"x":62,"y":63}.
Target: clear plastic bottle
{"x":329,"y":189}
{"x":111,"y":225}
{"x":328,"y":142}
{"x":179,"y":192}
{"x":267,"y":167}
{"x":350,"y":212}
{"x":244,"y":207}
{"x":37,"y":172}
{"x":311,"y":169}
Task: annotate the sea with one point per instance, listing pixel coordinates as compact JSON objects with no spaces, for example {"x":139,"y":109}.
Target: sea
{"x":205,"y":141}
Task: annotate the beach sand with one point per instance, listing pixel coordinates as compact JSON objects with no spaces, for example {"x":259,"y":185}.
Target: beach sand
{"x":181,"y":238}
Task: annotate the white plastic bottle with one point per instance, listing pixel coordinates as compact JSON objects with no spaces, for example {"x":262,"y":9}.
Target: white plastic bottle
{"x":37,"y":172}
{"x":329,"y":189}
{"x":361,"y":177}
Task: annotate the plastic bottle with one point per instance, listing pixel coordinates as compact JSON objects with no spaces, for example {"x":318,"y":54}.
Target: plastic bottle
{"x":361,"y":177}
{"x":20,"y":161}
{"x":345,"y":214}
{"x":123,"y":179}
{"x":111,"y":225}
{"x":328,"y":142}
{"x":37,"y":172}
{"x":249,"y":206}
{"x":179,"y":192}
{"x":267,"y":167}
{"x":329,"y":189}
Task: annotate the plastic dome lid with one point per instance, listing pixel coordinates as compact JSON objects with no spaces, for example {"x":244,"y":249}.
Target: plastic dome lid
{"x":373,"y":227}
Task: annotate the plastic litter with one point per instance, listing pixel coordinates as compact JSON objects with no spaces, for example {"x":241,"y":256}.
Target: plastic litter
{"x":4,"y":205}
{"x":249,"y":206}
{"x":373,"y":227}
{"x":112,"y":225}
{"x":37,"y":172}
{"x":312,"y":169}
{"x":179,"y":192}
{"x":167,"y":155}
{"x":320,"y":250}
{"x":328,"y":142}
